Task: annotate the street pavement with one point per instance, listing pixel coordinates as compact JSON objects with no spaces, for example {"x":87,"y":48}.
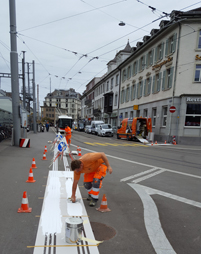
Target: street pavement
{"x":123,"y":229}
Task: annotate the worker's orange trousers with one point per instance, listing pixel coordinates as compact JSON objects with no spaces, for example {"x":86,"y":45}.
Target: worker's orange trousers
{"x":93,"y":181}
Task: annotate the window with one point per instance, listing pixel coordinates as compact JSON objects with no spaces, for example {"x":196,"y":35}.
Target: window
{"x":145,"y":112}
{"x":112,"y":83}
{"x":159,"y":52}
{"x":110,"y":100}
{"x":147,"y":86}
{"x":142,"y":63}
{"x":153,"y":117}
{"x":167,"y":78}
{"x":199,"y":40}
{"x":127,"y":93}
{"x":129,"y":72}
{"x":131,"y":114}
{"x":126,"y":114}
{"x":115,"y":99}
{"x":198,"y":73}
{"x":171,"y":45}
{"x":133,"y":91}
{"x":107,"y":86}
{"x":164,"y":118}
{"x":193,"y":114}
{"x":156,"y":83}
{"x":124,"y":75}
{"x":122,"y":95}
{"x":149,"y":61}
{"x":117,"y":79}
{"x":135,"y":65}
{"x":139,"y":89}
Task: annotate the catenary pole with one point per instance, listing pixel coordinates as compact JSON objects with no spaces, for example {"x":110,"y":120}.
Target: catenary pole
{"x":34,"y":100}
{"x":14,"y":74}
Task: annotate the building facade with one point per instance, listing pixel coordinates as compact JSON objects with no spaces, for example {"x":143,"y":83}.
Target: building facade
{"x":161,"y":71}
{"x":61,"y":102}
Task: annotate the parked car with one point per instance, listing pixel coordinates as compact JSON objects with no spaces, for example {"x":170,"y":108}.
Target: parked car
{"x":80,"y":127}
{"x":88,"y":129}
{"x":94,"y":125}
{"x":105,"y":130}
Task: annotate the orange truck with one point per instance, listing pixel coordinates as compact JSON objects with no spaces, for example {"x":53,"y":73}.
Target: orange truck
{"x":135,"y":129}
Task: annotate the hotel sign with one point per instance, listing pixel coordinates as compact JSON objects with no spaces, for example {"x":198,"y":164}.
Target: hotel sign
{"x":189,"y":99}
{"x":158,"y":66}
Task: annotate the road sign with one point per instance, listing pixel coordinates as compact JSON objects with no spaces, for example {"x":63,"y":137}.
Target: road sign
{"x":172,"y":109}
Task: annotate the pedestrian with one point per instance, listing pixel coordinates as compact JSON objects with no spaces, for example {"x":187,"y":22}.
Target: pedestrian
{"x":68,"y":134}
{"x":47,"y":126}
{"x":91,"y":164}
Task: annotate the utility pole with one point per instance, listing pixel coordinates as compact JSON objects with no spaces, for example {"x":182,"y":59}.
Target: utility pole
{"x":14,"y":74}
{"x":23,"y":75}
{"x":34,"y":100}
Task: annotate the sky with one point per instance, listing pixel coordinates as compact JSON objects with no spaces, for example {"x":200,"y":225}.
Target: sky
{"x":71,"y":41}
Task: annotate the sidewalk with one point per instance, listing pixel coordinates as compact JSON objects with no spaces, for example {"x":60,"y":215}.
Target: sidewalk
{"x":18,"y":230}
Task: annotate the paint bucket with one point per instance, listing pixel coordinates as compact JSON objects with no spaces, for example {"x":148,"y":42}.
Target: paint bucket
{"x":73,"y":229}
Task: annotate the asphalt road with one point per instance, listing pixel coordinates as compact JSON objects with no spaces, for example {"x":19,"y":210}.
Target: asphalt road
{"x":153,"y":194}
{"x":174,"y":181}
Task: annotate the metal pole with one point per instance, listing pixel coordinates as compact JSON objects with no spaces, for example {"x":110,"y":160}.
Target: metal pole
{"x":14,"y":74}
{"x":34,"y":100}
{"x":23,"y":78}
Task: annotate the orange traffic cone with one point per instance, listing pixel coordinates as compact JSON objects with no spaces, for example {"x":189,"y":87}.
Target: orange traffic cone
{"x":33,"y":163}
{"x":103,"y":208}
{"x":25,"y":205}
{"x":175,"y":142}
{"x":77,"y":148}
{"x":152,"y":143}
{"x":44,"y":156}
{"x":165,"y":142}
{"x":45,"y":149}
{"x":155,"y":142}
{"x":30,"y":178}
{"x":79,"y":152}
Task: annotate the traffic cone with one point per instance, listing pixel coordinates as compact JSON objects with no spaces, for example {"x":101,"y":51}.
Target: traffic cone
{"x":152,"y":143}
{"x":30,"y":178}
{"x":25,"y":205}
{"x":44,"y":156}
{"x":103,"y":208}
{"x":33,"y":163}
{"x":77,"y":148}
{"x":155,"y":142}
{"x":79,"y":152}
{"x":45,"y":149}
{"x":165,"y":142}
{"x":175,"y":142}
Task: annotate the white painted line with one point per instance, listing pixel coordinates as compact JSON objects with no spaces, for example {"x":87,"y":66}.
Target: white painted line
{"x":55,"y":163}
{"x":148,"y":176}
{"x":56,"y":208}
{"x":155,"y":232}
{"x":139,"y":174}
{"x":146,"y":165}
{"x":152,"y":191}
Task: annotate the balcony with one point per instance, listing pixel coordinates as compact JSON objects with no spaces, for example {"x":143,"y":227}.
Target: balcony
{"x":96,"y":112}
{"x":88,"y":103}
{"x":108,"y":103}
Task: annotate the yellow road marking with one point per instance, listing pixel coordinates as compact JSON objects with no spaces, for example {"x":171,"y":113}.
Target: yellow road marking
{"x":92,"y":144}
{"x":100,"y":144}
{"x":112,"y":144}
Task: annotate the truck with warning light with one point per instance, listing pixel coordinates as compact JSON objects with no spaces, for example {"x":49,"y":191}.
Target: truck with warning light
{"x":136,"y":129}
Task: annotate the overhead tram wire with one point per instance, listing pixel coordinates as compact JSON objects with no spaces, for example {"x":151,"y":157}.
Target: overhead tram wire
{"x":72,"y":16}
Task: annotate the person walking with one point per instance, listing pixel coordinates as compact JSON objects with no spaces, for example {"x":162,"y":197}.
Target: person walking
{"x":91,"y":164}
{"x":68,"y":135}
{"x":47,"y":126}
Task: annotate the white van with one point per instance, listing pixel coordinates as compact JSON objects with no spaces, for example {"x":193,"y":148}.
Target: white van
{"x":94,"y":125}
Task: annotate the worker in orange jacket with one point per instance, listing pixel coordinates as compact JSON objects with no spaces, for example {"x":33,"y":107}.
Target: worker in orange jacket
{"x":68,"y":134}
{"x":91,"y":164}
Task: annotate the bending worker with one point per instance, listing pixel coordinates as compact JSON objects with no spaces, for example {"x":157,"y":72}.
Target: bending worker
{"x":91,"y":164}
{"x":68,"y":134}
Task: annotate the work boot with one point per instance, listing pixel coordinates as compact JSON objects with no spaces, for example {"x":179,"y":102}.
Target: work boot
{"x":89,"y":197}
{"x":92,"y":202}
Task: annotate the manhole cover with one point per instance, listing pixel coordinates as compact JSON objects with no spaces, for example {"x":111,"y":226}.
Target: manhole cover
{"x":102,"y":231}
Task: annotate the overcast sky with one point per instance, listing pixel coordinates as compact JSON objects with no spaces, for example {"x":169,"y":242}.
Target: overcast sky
{"x":71,"y":41}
